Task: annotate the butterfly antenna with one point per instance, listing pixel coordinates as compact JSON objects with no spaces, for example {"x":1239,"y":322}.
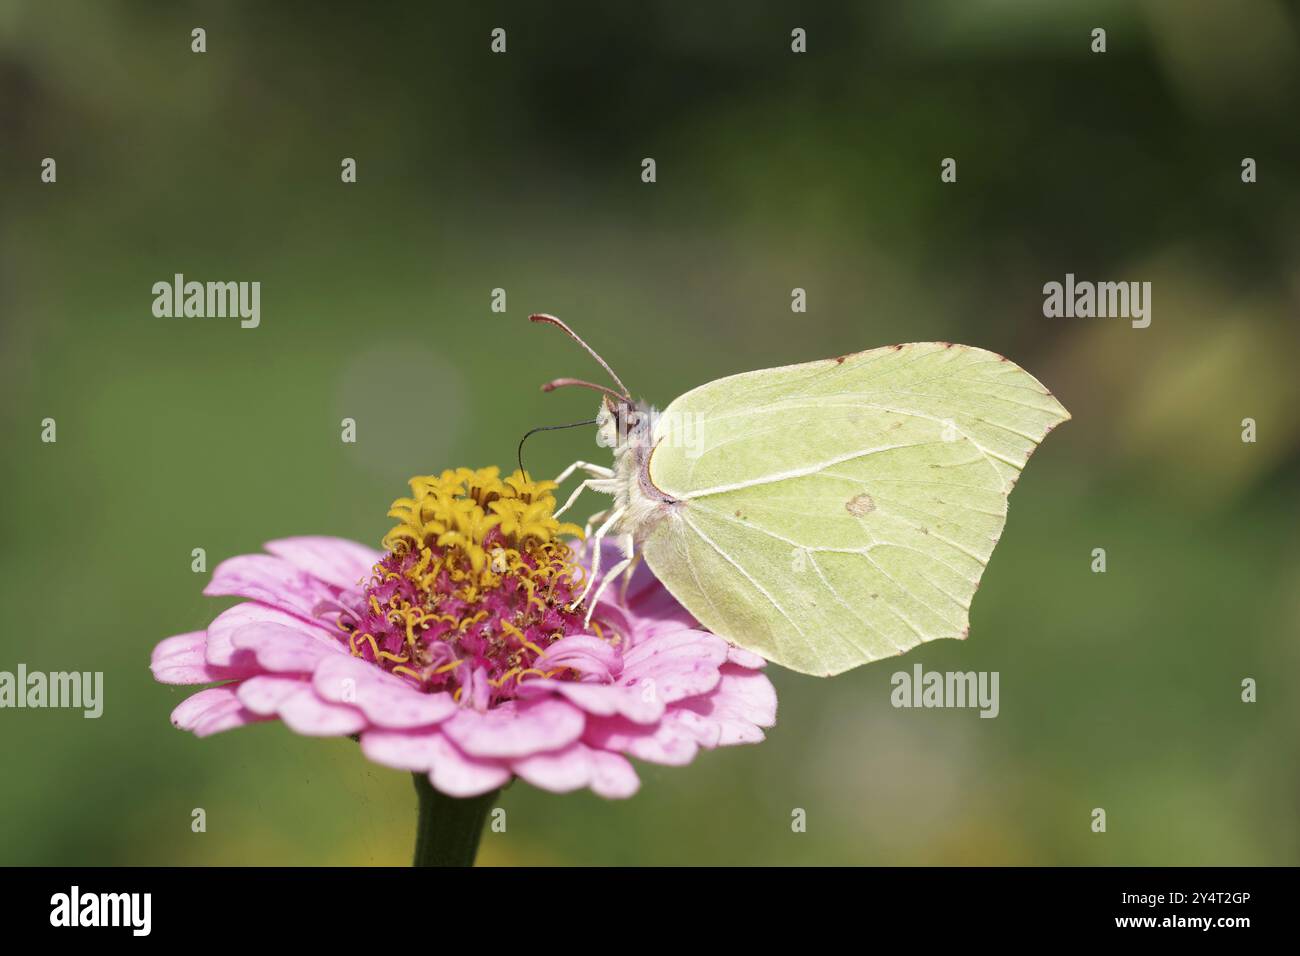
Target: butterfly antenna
{"x":552,"y":320}
{"x":544,"y":428}
{"x":555,"y":383}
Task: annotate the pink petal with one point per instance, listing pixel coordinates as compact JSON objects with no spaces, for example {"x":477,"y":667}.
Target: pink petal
{"x":307,"y":714}
{"x":181,"y":660}
{"x":451,"y":771}
{"x":612,"y":776}
{"x":280,"y":648}
{"x":337,"y":561}
{"x":673,"y":741}
{"x":675,"y":664}
{"x":750,"y":695}
{"x":585,"y":654}
{"x":577,"y":765}
{"x":386,"y":700}
{"x":270,"y":580}
{"x":560,"y":771}
{"x":743,"y":658}
{"x":265,"y":693}
{"x":296,"y":703}
{"x":192,"y":709}
{"x":456,"y":775}
{"x":638,"y":704}
{"x":705,"y":732}
{"x":228,"y":719}
{"x":211,"y":711}
{"x":402,"y":750}
{"x":678,"y":642}
{"x":516,"y":728}
{"x":744,"y":702}
{"x":222,"y":653}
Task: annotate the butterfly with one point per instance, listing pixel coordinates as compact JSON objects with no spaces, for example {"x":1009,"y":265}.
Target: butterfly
{"x":822,"y":515}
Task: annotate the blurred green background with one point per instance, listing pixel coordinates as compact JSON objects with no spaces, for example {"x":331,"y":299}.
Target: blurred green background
{"x":475,"y":171}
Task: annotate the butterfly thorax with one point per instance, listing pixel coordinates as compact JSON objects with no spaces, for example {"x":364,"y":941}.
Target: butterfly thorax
{"x":629,"y":430}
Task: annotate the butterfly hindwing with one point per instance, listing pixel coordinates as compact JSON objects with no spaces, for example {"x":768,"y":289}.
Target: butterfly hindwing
{"x":838,"y":512}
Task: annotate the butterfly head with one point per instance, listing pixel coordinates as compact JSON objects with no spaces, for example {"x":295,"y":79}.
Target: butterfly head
{"x":622,"y":423}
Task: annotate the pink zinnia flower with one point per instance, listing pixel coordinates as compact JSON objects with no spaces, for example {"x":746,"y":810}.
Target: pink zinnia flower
{"x":455,"y":654}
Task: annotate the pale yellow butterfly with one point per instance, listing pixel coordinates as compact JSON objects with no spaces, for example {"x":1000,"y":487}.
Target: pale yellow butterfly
{"x":822,"y":515}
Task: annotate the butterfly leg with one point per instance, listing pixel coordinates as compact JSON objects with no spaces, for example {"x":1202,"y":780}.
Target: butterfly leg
{"x":604,"y":485}
{"x":628,"y":544}
{"x":627,"y":579}
{"x":591,"y":523}
{"x":596,"y":471}
{"x":590,"y":526}
{"x":601,"y":532}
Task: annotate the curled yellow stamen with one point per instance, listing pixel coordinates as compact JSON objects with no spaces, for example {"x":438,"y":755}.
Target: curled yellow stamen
{"x":457,"y":539}
{"x":500,"y":681}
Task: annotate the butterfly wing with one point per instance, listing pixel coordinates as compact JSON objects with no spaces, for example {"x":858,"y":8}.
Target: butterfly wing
{"x":834,"y":513}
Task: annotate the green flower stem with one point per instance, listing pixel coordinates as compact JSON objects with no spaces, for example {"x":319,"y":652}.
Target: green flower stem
{"x":449,"y":829}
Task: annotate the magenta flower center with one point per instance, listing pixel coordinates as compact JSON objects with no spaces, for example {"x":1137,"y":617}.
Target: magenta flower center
{"x":474,"y":589}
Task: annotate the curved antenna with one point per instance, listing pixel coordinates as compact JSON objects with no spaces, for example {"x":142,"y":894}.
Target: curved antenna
{"x":544,"y":428}
{"x":555,"y":383}
{"x":552,"y":320}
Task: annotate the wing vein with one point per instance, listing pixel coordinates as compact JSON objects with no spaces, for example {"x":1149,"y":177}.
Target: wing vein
{"x":793,"y":472}
{"x":856,"y":616}
{"x":748,"y":577}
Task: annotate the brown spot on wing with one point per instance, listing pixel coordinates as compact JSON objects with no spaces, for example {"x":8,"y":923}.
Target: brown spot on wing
{"x":860,"y":505}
